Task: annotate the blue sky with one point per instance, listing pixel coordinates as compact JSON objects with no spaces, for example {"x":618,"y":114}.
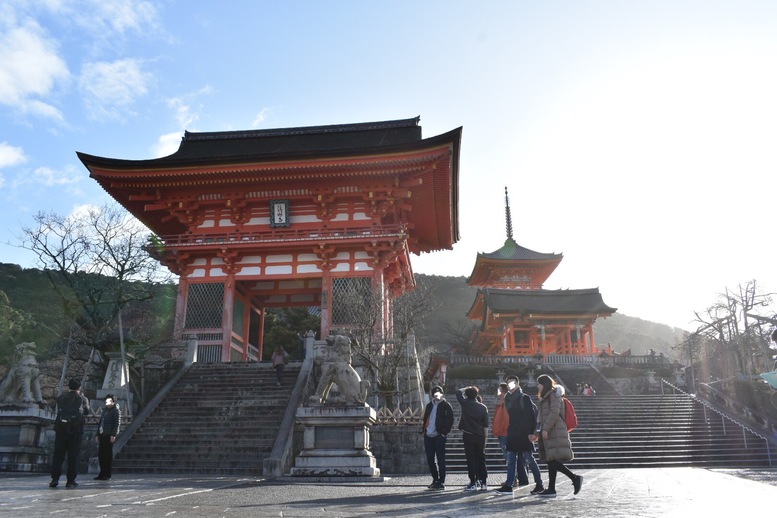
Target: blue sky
{"x":636,"y":138}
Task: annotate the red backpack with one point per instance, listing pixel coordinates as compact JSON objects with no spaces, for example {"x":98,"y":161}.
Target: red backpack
{"x":570,"y":416}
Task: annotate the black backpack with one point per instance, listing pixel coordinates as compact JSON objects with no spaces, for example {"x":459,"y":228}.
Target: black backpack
{"x":70,"y":414}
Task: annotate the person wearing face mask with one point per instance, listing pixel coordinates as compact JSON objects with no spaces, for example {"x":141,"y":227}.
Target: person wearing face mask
{"x":520,"y":448}
{"x":555,"y":445}
{"x":437,"y":424}
{"x":107,"y":430}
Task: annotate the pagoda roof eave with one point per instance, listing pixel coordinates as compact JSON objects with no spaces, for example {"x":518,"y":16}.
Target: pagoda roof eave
{"x":512,"y":251}
{"x":475,"y":311}
{"x":549,"y":303}
{"x":511,"y":255}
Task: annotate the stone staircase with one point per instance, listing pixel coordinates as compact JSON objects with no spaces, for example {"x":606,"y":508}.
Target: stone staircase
{"x":220,"y":418}
{"x":572,"y":375}
{"x":641,"y":431}
{"x":661,"y":430}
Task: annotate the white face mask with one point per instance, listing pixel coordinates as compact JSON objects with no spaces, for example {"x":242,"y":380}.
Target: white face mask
{"x":437,"y":396}
{"x":108,"y":402}
{"x":511,"y":385}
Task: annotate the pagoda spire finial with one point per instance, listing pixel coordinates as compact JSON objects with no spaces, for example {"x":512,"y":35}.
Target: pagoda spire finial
{"x":508,"y":218}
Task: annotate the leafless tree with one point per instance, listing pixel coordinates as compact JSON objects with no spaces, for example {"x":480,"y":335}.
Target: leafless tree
{"x":736,"y":326}
{"x":96,"y":265}
{"x":384,"y":356}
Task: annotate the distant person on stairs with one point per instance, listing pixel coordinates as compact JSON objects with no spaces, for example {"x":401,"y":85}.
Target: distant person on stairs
{"x":279,"y":360}
{"x":437,"y":424}
{"x":555,"y":445}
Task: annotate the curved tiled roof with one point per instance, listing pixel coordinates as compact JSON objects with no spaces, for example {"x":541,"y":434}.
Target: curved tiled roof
{"x":513,"y":251}
{"x":547,"y":302}
{"x":303,"y":158}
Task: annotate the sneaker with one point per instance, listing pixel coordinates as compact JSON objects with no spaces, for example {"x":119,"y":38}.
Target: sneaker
{"x":484,"y":487}
{"x":539,"y":488}
{"x":72,"y":484}
{"x":548,"y":493}
{"x":577,"y":483}
{"x":437,"y":486}
{"x":471,"y":487}
{"x":54,"y":483}
{"x":431,"y":486}
{"x":504,"y":490}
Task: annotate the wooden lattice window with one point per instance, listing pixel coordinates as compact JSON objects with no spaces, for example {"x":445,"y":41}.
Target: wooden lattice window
{"x":352,"y":301}
{"x":205,"y":306}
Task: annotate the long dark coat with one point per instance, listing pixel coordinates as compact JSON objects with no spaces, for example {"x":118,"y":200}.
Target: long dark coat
{"x":523,"y":421}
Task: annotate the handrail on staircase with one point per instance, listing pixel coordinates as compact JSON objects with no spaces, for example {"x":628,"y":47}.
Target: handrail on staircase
{"x":279,"y":461}
{"x":140,"y":417}
{"x":769,"y":442}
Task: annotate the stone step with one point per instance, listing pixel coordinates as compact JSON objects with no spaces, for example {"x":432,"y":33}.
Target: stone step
{"x":207,"y":456}
{"x":217,"y":420}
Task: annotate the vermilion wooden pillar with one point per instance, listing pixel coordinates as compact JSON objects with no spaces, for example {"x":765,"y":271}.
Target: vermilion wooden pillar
{"x":262,"y":312}
{"x":227,"y":315}
{"x":326,"y":302}
{"x":180,"y":306}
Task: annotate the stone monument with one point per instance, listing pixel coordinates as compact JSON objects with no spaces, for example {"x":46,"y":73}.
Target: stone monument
{"x":116,"y":382}
{"x":24,"y":417}
{"x":336,"y":427}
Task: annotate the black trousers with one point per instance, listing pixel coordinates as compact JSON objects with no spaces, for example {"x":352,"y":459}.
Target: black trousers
{"x":66,"y":444}
{"x":475,"y":452}
{"x":435,"y":449}
{"x":105,"y":455}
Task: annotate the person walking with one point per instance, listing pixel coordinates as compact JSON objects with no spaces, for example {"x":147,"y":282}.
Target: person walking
{"x":520,"y":449}
{"x":279,"y":359}
{"x":72,"y":406}
{"x":437,"y":424}
{"x":107,"y":430}
{"x":474,"y":425}
{"x":555,"y":445}
{"x":501,"y":420}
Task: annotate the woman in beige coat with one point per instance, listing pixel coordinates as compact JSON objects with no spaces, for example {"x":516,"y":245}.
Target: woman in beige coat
{"x":555,"y":446}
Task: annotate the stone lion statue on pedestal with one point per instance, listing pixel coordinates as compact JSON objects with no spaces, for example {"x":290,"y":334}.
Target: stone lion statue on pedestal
{"x":21,"y":384}
{"x":337,"y":369}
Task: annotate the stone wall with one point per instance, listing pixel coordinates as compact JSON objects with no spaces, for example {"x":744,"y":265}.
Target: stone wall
{"x":398,"y":449}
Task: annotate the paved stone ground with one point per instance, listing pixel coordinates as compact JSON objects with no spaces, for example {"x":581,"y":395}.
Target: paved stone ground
{"x":666,"y":492}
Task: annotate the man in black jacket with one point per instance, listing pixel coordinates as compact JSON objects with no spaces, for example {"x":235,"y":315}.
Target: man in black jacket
{"x":69,"y":428}
{"x":107,"y":430}
{"x":437,"y":424}
{"x":474,"y":424}
{"x":520,"y":448}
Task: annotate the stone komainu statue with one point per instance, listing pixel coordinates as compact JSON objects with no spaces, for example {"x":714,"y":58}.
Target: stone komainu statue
{"x":21,"y":384}
{"x":337,"y":369}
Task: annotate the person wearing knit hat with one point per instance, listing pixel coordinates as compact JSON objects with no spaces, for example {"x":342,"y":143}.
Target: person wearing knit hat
{"x":437,"y":424}
{"x":555,"y":445}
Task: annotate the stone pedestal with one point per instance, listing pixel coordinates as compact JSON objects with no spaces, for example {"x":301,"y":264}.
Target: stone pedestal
{"x":117,"y":383}
{"x":23,"y":439}
{"x":336,"y":442}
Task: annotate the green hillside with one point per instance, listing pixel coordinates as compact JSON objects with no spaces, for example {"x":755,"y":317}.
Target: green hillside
{"x":29,"y":293}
